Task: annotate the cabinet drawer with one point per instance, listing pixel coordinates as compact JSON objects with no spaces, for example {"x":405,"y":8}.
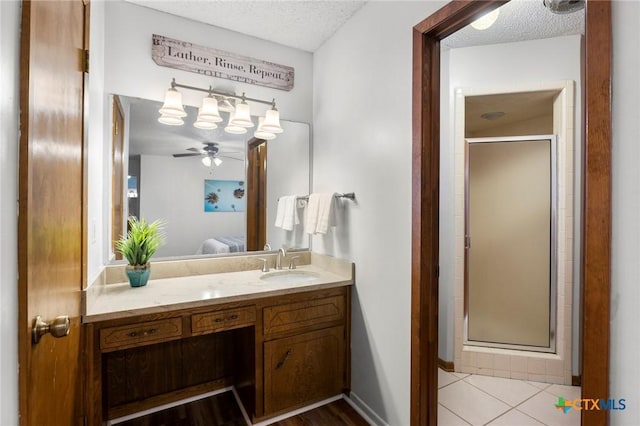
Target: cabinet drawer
{"x":303,"y":369}
{"x":223,"y":320}
{"x":294,"y":316}
{"x":144,"y":333}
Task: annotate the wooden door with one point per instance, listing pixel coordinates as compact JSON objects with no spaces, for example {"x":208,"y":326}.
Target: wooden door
{"x":256,"y":195}
{"x":50,"y":243}
{"x":117,"y":176}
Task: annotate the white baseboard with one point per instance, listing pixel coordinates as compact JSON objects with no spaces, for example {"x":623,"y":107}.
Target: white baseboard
{"x":364,"y":410}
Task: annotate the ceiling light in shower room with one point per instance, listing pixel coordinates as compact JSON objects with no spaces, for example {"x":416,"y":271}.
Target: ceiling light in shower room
{"x":494,"y":115}
{"x":486,"y":21}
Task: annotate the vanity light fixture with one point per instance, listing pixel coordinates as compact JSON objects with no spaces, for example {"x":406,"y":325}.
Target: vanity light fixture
{"x":260,"y":133}
{"x":172,"y":112}
{"x":486,"y":21}
{"x":234,"y":129}
{"x":272,"y":120}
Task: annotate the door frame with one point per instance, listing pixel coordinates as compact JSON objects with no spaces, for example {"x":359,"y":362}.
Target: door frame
{"x":256,"y":185}
{"x":596,"y":241}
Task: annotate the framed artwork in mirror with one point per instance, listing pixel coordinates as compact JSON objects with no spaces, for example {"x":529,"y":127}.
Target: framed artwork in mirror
{"x":224,"y":195}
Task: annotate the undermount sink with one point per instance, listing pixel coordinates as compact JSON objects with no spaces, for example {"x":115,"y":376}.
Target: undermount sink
{"x":290,"y":275}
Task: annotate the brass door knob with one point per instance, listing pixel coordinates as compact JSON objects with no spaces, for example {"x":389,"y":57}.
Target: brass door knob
{"x":59,"y":327}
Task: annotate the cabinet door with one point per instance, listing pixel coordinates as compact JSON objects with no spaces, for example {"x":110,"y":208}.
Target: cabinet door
{"x":302,"y":369}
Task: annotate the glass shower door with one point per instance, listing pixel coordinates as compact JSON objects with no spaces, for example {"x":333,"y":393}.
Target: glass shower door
{"x":510,"y":242}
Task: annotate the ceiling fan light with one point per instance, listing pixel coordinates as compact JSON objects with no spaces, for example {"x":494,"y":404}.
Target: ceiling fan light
{"x":170,"y":120}
{"x":209,"y":110}
{"x":271,"y":122}
{"x":206,"y":161}
{"x":242,"y":116}
{"x":217,"y":161}
{"x":204,"y":124}
{"x":173,"y":104}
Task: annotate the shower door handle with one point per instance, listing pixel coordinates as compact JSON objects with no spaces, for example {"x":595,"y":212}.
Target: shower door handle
{"x":467,"y":242}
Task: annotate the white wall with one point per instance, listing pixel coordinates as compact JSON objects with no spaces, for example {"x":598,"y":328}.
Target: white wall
{"x":288,"y":173}
{"x":501,"y":67}
{"x":121,"y":48}
{"x":625,"y":291}
{"x":362,"y":143}
{"x":97,"y":170}
{"x":9,"y":119}
{"x":129,"y":69}
{"x":172,"y":189}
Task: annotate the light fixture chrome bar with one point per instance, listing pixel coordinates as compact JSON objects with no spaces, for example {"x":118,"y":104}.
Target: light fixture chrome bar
{"x":210,"y":90}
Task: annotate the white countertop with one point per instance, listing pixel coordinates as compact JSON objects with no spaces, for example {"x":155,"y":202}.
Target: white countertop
{"x":120,"y":300}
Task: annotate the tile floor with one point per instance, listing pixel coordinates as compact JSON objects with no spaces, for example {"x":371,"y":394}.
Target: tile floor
{"x":469,"y":399}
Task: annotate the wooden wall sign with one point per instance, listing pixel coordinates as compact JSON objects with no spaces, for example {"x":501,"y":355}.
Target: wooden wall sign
{"x":182,"y":55}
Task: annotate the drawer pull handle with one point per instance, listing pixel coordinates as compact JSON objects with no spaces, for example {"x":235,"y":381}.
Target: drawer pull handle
{"x":283,"y":360}
{"x":143,"y":333}
{"x":233,"y":317}
{"x":218,"y":320}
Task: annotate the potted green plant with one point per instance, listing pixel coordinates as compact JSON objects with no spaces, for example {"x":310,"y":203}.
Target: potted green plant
{"x":140,"y":243}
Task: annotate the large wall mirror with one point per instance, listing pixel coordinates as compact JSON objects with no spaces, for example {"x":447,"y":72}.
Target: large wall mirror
{"x":200,"y":182}
{"x":217,"y":192}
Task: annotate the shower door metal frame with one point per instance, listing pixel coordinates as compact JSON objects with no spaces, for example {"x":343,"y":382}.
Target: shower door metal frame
{"x":553,"y":249}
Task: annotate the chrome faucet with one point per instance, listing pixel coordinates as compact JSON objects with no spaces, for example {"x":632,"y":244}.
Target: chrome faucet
{"x":282,"y":252}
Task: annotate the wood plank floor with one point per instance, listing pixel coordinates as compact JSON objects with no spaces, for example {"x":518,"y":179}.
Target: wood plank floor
{"x":217,"y":410}
{"x":336,"y":413}
{"x":223,"y":410}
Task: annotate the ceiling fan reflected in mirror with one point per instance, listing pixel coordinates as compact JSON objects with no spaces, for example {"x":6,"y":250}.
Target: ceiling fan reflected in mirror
{"x":564,"y":6}
{"x":210,"y":154}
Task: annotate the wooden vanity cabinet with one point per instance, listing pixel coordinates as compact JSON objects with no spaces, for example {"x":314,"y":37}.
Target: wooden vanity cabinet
{"x":280,"y":353}
{"x":305,"y":343}
{"x":302,"y":368}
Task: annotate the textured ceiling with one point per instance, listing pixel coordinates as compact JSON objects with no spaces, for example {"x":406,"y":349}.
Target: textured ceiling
{"x":306,"y":24}
{"x":301,"y":24}
{"x":520,"y":20}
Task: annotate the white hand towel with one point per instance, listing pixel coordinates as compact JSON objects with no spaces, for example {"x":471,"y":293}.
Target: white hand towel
{"x":290,"y":213}
{"x":280,"y":212}
{"x":326,"y":213}
{"x":313,"y":206}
